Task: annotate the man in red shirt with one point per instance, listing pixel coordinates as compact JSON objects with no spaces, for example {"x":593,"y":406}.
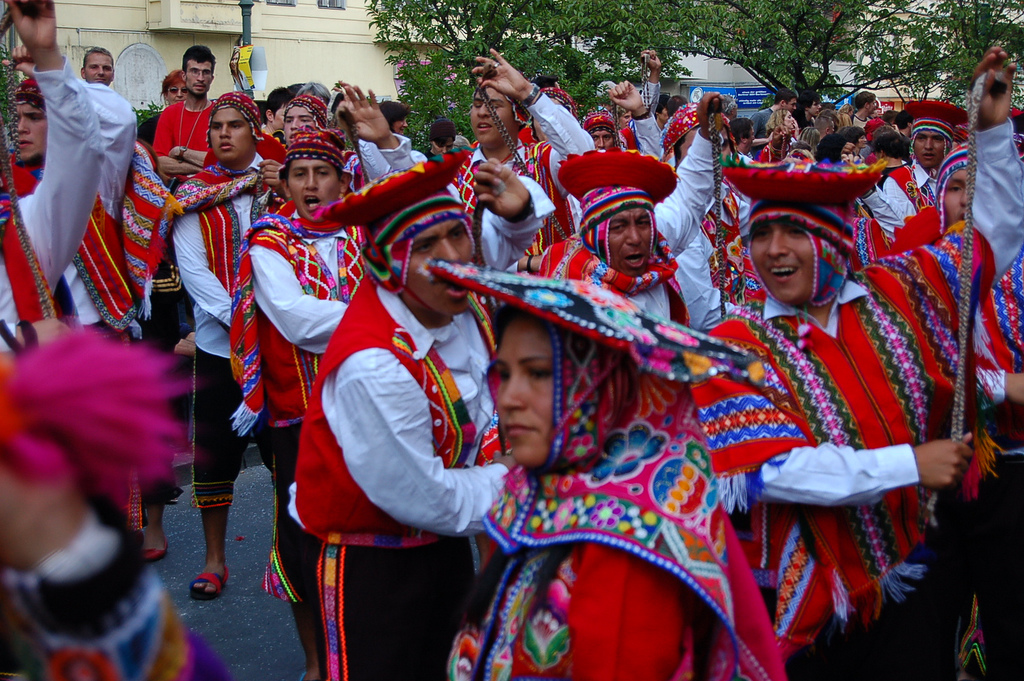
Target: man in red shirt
{"x":180,"y":142}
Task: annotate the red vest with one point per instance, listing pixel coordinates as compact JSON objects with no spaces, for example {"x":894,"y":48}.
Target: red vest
{"x":332,"y":506}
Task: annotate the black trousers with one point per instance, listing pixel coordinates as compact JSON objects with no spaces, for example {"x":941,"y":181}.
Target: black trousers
{"x":980,"y":545}
{"x":218,"y":448}
{"x":904,"y":644}
{"x":292,"y":547}
{"x":390,"y":614}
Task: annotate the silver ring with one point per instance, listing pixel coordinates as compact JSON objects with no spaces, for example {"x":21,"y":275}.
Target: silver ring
{"x":499,"y":188}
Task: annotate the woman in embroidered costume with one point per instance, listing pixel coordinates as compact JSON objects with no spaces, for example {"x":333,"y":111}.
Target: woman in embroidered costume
{"x":617,"y":561}
{"x":831,"y":453}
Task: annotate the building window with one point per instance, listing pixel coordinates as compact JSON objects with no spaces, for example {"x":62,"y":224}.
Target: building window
{"x":331,"y":4}
{"x":286,"y":3}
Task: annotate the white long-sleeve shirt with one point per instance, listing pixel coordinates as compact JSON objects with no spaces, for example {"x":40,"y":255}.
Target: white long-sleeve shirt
{"x":304,"y":320}
{"x":118,"y":135}
{"x":82,"y":120}
{"x":383,"y":423}
{"x":891,"y":206}
{"x":212,"y":302}
{"x":828,"y":475}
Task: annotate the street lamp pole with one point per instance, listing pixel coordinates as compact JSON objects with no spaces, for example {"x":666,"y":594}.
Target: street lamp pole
{"x":246,"y":6}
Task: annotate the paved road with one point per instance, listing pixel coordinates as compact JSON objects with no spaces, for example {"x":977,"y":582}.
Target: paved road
{"x":253,"y":632}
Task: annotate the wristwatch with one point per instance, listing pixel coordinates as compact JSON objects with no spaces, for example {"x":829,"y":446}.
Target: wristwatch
{"x":181,"y":153}
{"x":532,"y":98}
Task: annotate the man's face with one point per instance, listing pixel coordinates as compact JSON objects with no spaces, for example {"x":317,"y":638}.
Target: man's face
{"x":296,"y":118}
{"x":312,"y":184}
{"x":275,"y":119}
{"x":99,"y":68}
{"x":790,"y":105}
{"x":198,"y":78}
{"x":231,"y":139}
{"x":784,"y":258}
{"x":630,"y":235}
{"x":662,"y":118}
{"x":483,"y":127}
{"x":743,"y":144}
{"x":929,"y":149}
{"x":870,"y":108}
{"x":31,"y":134}
{"x":954,"y":200}
{"x":398,"y":127}
{"x":432,"y":301}
{"x":813,"y":110}
{"x":603,"y":140}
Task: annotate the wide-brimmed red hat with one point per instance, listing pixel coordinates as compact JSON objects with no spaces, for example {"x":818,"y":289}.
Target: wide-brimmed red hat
{"x":395,"y":192}
{"x":582,"y":173}
{"x":820,"y":184}
{"x":933,"y":115}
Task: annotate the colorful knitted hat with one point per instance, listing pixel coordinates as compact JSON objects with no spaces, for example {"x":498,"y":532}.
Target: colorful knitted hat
{"x":28,"y":92}
{"x":683,"y":121}
{"x":606,"y":183}
{"x":396,"y":208}
{"x":934,"y":116}
{"x":599,"y":120}
{"x":320,"y":145}
{"x":314,"y":105}
{"x":563,"y":98}
{"x":244,"y":105}
{"x":955,"y":160}
{"x":818,"y":197}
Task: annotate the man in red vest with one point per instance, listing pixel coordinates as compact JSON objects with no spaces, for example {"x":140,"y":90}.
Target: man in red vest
{"x":396,"y":459}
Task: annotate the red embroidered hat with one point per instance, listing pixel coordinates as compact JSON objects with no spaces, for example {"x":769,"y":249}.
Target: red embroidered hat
{"x":935,"y":116}
{"x":819,"y":184}
{"x":581,"y":173}
{"x":392,"y":193}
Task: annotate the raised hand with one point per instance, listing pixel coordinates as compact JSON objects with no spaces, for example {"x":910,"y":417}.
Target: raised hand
{"x":653,"y":63}
{"x":997,"y":100}
{"x":36,"y":23}
{"x":625,"y":96}
{"x":710,"y":103}
{"x":363,"y":114}
{"x":503,"y":78}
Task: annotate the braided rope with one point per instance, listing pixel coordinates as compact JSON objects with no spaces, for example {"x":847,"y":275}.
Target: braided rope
{"x":506,"y":136}
{"x":615,"y":126}
{"x":645,"y":88}
{"x":964,"y":275}
{"x":721,"y":251}
{"x":11,"y":129}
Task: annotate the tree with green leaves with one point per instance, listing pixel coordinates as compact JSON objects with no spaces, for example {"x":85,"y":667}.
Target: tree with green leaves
{"x":581,"y":42}
{"x":942,"y":41}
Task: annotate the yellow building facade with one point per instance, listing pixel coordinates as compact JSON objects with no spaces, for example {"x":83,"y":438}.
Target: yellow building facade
{"x":318,"y":40}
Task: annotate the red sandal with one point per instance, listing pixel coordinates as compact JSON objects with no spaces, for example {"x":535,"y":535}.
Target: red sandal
{"x":201,"y":594}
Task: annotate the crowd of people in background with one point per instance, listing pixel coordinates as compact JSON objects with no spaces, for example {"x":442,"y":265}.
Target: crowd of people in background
{"x":654,"y":391}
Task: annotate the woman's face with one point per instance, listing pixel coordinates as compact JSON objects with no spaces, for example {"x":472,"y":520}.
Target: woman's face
{"x":525,"y":393}
{"x":175,"y":93}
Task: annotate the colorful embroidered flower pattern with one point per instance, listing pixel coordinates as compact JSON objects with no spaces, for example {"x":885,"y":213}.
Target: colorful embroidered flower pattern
{"x":547,"y":298}
{"x":625,"y":453}
{"x":606,"y":514}
{"x":676,"y":335}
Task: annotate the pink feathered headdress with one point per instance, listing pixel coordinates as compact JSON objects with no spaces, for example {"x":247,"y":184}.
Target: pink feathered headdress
{"x":90,"y":410}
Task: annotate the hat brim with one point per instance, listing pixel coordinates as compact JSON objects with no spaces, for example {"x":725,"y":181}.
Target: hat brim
{"x":582,"y":173}
{"x":657,"y":345}
{"x":819,"y":185}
